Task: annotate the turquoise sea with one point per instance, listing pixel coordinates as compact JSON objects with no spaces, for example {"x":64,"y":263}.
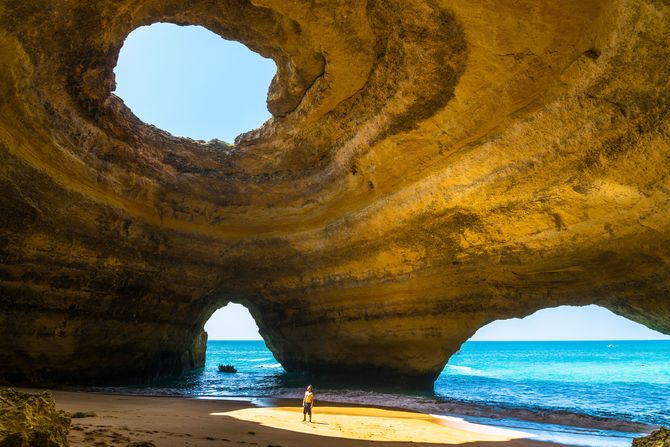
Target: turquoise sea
{"x":617,"y":379}
{"x":625,"y":380}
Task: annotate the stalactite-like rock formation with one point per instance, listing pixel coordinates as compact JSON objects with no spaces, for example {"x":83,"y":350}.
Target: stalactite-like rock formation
{"x":431,"y":166}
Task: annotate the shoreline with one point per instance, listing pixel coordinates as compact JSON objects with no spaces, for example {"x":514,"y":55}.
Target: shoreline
{"x":279,"y":415}
{"x":182,"y":421}
{"x":492,"y":414}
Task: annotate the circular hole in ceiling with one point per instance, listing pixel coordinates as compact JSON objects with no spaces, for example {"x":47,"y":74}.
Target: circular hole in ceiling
{"x":192,"y":83}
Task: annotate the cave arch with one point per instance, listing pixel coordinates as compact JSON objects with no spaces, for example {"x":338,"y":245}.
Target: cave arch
{"x":232,"y":322}
{"x":427,"y":170}
{"x":567,"y":323}
{"x":567,"y":358}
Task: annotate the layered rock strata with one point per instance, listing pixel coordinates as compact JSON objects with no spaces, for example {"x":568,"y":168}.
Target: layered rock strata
{"x":431,"y":166}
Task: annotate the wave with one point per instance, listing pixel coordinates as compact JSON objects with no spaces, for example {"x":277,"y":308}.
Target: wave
{"x":525,"y":419}
{"x":583,"y":383}
{"x":461,"y":369}
{"x":467,"y":371}
{"x":498,"y":415}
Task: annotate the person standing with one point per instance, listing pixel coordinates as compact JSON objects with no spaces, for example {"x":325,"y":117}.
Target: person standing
{"x":307,"y":404}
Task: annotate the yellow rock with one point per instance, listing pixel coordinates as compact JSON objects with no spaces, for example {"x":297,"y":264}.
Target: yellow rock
{"x":431,"y":166}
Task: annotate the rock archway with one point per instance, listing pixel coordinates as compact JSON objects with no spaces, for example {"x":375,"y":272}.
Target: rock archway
{"x":431,"y":166}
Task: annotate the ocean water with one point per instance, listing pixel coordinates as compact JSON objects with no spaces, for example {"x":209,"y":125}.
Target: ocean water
{"x":625,"y":380}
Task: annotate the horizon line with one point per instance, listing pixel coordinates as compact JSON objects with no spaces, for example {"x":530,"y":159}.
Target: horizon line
{"x":585,"y":339}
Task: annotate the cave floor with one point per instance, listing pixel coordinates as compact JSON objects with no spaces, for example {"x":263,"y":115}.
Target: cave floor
{"x":167,"y":421}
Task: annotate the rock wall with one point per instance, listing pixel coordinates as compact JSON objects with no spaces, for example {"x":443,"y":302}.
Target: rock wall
{"x":431,"y":166}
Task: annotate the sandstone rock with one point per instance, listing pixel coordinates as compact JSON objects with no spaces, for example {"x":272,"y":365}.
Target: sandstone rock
{"x":31,"y":420}
{"x":658,"y":438}
{"x":431,"y":166}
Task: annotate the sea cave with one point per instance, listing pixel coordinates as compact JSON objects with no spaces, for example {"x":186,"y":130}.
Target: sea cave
{"x":428,"y":168}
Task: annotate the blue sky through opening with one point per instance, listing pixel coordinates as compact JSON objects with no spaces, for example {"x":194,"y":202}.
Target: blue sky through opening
{"x":234,"y":322}
{"x":192,"y":83}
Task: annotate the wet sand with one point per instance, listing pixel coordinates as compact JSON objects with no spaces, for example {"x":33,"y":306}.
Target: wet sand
{"x":170,"y":421}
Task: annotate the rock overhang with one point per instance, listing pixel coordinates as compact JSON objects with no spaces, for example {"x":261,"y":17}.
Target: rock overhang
{"x":430,"y":167}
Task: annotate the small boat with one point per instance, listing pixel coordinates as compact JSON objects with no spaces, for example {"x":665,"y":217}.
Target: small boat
{"x":227,"y":369}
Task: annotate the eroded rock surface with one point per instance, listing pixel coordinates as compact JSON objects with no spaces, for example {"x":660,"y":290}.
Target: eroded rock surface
{"x":431,"y":166}
{"x":658,"y":438}
{"x":31,"y":420}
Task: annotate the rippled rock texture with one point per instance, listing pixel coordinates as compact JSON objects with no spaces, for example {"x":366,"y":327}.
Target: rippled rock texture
{"x":431,"y":166}
{"x":31,"y":420}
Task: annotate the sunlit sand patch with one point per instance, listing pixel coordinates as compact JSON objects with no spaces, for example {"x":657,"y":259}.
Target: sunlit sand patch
{"x":375,"y":424}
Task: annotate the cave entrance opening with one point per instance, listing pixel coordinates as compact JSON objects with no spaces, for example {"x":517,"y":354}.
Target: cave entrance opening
{"x":584,"y":360}
{"x":234,"y":339}
{"x":232,"y":322}
{"x":192,"y":83}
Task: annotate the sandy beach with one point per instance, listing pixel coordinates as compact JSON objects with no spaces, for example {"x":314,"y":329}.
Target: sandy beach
{"x":168,"y":421}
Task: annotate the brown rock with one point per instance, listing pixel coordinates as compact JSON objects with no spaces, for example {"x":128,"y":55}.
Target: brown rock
{"x":430,"y":167}
{"x":658,"y":438}
{"x":31,"y":420}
